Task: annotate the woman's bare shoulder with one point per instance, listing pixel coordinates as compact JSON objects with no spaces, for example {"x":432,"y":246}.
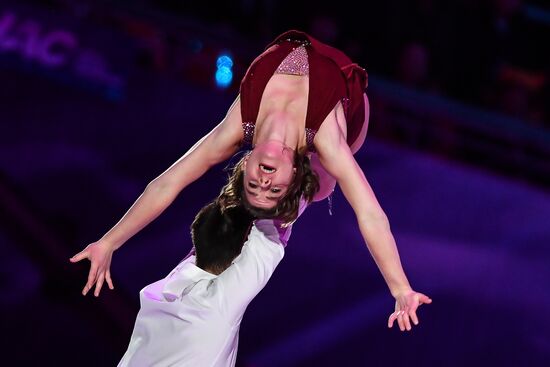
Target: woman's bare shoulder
{"x":332,"y":131}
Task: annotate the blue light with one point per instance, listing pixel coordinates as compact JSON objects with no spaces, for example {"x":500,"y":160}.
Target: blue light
{"x":224,"y":75}
{"x":224,"y":61}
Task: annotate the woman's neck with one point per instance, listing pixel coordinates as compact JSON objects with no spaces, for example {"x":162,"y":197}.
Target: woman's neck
{"x":278,"y":126}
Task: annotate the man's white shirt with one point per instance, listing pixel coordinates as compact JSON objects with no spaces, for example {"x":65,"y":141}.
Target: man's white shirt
{"x":192,"y":317}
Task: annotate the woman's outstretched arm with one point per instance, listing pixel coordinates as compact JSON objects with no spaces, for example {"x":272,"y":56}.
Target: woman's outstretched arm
{"x":337,"y":158}
{"x":215,"y":147}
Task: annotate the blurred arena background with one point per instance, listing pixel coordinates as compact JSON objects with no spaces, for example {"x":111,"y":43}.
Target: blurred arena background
{"x":97,"y":98}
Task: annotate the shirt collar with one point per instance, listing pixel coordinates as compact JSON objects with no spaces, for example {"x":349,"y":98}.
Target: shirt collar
{"x":183,"y":278}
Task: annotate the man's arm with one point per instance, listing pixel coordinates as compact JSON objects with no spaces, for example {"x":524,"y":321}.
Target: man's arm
{"x":252,"y":269}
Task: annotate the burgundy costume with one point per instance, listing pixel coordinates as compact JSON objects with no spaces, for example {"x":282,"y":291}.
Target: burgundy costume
{"x":333,"y":77}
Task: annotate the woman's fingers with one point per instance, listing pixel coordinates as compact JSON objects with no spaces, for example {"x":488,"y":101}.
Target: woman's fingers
{"x":407,"y":320}
{"x":91,"y":279}
{"x":108,"y":279}
{"x":400,"y":320}
{"x":99,"y":283}
{"x":81,"y":255}
{"x":414,"y":318}
{"x":403,"y":319}
{"x":408,"y":311}
{"x":392,"y":319}
{"x":411,"y":311}
{"x":100,"y":259}
{"x":422,"y":298}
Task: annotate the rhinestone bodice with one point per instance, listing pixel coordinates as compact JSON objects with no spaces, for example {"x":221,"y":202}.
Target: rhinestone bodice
{"x":296,"y":63}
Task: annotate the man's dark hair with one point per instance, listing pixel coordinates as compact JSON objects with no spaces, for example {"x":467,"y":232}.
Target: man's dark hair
{"x":219,"y":236}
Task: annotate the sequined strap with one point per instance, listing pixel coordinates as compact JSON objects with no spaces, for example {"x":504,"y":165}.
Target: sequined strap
{"x":310,"y":135}
{"x":248,"y":132}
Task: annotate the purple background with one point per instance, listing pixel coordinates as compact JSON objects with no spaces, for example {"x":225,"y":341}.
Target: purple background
{"x":463,"y":181}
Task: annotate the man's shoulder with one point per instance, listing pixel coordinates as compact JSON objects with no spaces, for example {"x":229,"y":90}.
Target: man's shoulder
{"x":268,"y":231}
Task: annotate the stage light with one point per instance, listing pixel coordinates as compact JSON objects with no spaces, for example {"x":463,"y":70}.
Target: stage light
{"x":224,"y":60}
{"x":224,"y":74}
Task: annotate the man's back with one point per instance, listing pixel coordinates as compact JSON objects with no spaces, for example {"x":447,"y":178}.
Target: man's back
{"x":192,"y":317}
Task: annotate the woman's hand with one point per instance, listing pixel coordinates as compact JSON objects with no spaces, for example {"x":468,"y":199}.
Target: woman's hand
{"x":406,"y":303}
{"x":99,"y":253}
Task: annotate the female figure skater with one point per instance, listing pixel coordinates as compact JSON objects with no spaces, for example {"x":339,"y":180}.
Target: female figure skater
{"x":299,"y":99}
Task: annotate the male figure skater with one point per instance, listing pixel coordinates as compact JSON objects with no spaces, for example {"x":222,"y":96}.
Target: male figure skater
{"x":192,"y":317}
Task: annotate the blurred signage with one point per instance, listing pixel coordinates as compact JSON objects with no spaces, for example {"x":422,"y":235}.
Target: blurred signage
{"x":47,"y":43}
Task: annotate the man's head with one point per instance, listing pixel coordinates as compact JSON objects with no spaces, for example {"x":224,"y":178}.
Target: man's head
{"x":218,"y":237}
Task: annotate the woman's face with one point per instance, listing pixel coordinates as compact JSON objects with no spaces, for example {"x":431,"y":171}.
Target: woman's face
{"x":268,"y":171}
